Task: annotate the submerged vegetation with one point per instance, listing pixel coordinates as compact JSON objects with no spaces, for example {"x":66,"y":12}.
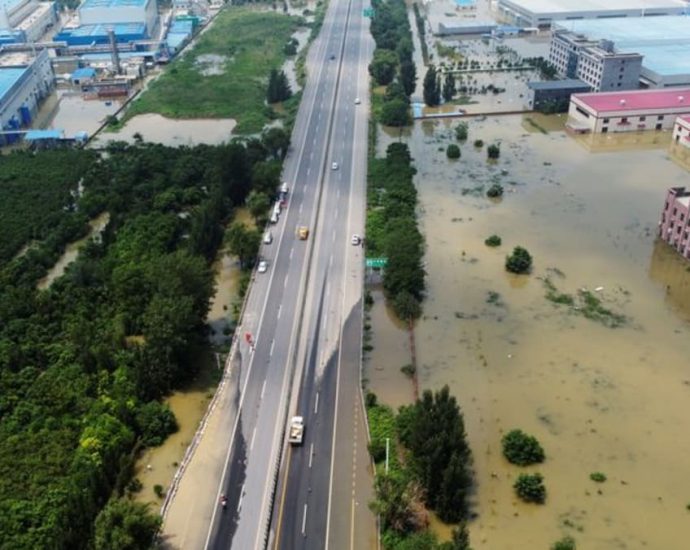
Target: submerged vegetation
{"x":428,"y":467}
{"x":522,"y":449}
{"x":585,"y":303}
{"x":84,"y":364}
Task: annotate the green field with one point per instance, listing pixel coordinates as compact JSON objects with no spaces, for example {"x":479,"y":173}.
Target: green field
{"x":251,"y":44}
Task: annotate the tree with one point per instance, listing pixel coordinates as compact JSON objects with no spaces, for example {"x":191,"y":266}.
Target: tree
{"x":530,"y":488}
{"x":408,"y":76}
{"x":243,"y":243}
{"x":258,"y":204}
{"x":125,"y":525}
{"x":566,"y":543}
{"x":277,"y":142}
{"x":395,"y":113}
{"x":493,"y":151}
{"x":432,"y":95}
{"x":278,"y":87}
{"x":461,"y":131}
{"x":406,"y":306}
{"x":155,"y":422}
{"x":493,"y":240}
{"x":522,"y":449}
{"x":383,"y":65}
{"x":399,"y":503}
{"x":495,"y":191}
{"x":449,"y":89}
{"x":395,"y":90}
{"x":460,"y":539}
{"x":520,"y":261}
{"x":452,"y":500}
{"x":266,"y":177}
{"x":453,"y":151}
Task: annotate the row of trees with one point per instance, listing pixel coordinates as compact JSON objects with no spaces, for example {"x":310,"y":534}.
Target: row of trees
{"x":84,"y":364}
{"x":278,"y":87}
{"x":434,"y":472}
{"x":437,"y":86}
{"x":392,"y":65}
{"x":392,"y":229}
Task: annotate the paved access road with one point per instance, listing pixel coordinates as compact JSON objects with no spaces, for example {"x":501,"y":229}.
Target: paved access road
{"x":303,"y":281}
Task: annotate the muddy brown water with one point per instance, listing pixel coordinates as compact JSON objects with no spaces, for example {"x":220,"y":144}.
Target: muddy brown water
{"x":598,"y":399}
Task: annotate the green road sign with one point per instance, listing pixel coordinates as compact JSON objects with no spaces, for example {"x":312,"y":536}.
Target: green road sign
{"x":368,"y":12}
{"x":376,"y":262}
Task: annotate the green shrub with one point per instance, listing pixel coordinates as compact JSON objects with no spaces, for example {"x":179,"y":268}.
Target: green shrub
{"x":566,"y":543}
{"x":478,"y":143}
{"x":522,"y":449}
{"x":158,"y":490}
{"x":461,"y":131}
{"x":493,"y":151}
{"x":493,"y":240}
{"x":598,"y":477}
{"x":520,"y":261}
{"x":408,"y":370}
{"x":495,"y":191}
{"x":530,"y":488}
{"x":453,"y":151}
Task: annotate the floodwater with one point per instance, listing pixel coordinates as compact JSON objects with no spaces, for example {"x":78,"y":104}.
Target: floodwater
{"x":173,"y":132}
{"x":302,"y":37}
{"x":72,"y":250}
{"x":612,"y":400}
{"x":67,"y":110}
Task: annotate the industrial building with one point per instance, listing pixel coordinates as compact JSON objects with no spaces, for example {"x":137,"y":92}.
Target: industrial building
{"x":468,"y":27}
{"x":662,"y":42}
{"x":96,"y":12}
{"x":681,"y":131}
{"x":674,"y":225}
{"x":24,"y":82}
{"x":540,"y":13}
{"x":594,"y":62}
{"x":553,"y":96}
{"x":627,"y":111}
{"x":25,"y":20}
{"x":85,"y":35}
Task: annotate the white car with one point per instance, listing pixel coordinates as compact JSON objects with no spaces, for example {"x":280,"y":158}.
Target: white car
{"x":356,"y":239}
{"x":263,"y":266}
{"x":357,"y":101}
{"x":268,"y":237}
{"x":334,"y":166}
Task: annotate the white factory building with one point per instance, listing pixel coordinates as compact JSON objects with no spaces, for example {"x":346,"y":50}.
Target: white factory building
{"x":24,"y":82}
{"x":540,"y":13}
{"x":30,"y":17}
{"x":95,"y":12}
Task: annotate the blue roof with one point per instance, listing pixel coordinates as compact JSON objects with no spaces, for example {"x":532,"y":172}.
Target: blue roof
{"x":32,"y":135}
{"x":465,"y":3}
{"x":9,"y":77}
{"x":103,"y":28}
{"x":88,"y":4}
{"x":84,"y":72}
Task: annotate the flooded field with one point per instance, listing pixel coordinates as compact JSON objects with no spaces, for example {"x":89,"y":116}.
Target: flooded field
{"x":72,"y":250}
{"x":69,"y":111}
{"x":599,"y":399}
{"x":172,"y":132}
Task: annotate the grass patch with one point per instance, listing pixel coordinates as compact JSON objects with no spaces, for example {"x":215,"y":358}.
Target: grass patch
{"x":382,"y":426}
{"x":586,"y":304}
{"x":556,"y":297}
{"x":252,"y":44}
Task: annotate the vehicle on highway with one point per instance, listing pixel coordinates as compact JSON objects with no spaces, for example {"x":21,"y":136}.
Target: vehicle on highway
{"x":263,"y":266}
{"x":357,"y":101}
{"x":296,"y":435}
{"x":274,"y":217}
{"x":223,"y":501}
{"x":334,"y":166}
{"x":277,"y":208}
{"x":303,"y":233}
{"x":356,"y":239}
{"x":268,"y":237}
{"x":284,"y":189}
{"x":332,"y":56}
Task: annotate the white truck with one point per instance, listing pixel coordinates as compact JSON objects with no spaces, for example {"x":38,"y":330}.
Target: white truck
{"x":296,"y":434}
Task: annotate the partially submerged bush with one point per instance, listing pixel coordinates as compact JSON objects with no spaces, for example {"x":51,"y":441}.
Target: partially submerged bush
{"x":522,"y":449}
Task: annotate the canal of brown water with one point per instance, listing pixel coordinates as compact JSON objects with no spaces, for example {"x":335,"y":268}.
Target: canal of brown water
{"x":612,"y":400}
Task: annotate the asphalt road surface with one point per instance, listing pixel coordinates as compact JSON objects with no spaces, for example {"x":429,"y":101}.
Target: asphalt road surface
{"x":298,"y":323}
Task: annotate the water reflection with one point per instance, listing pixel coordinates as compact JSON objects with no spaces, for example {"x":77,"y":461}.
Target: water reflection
{"x":672,"y":271}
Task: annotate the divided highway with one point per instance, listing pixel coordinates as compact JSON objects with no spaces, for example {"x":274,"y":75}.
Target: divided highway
{"x":310,"y":290}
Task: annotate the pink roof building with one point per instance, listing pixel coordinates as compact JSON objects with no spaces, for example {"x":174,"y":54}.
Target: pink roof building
{"x":674,"y":226}
{"x":627,"y":111}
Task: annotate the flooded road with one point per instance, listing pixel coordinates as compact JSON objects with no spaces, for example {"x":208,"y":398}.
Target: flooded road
{"x":72,"y":250}
{"x":615,"y":401}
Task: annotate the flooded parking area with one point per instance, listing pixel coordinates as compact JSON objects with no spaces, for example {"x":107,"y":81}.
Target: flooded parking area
{"x":67,"y":110}
{"x":599,"y":399}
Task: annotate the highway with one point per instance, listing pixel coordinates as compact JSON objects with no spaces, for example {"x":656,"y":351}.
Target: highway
{"x":297,"y":310}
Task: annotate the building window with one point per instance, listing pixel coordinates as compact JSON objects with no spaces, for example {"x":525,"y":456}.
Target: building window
{"x":582,"y":111}
{"x":624,"y":120}
{"x":675,"y":211}
{"x":658,"y":126}
{"x":660,"y":117}
{"x":643,"y":118}
{"x":604,"y":129}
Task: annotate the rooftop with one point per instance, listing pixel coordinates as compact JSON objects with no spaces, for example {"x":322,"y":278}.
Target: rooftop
{"x":685,"y":119}
{"x":636,"y":100}
{"x":103,"y":28}
{"x":559,"y":85}
{"x":662,"y":40}
{"x":33,"y":135}
{"x":9,"y":4}
{"x":89,"y":4}
{"x":564,"y":6}
{"x":685,"y":201}
{"x":8,"y":78}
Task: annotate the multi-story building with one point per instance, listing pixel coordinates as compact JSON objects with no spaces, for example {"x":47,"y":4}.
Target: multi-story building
{"x":95,"y":12}
{"x":627,"y":111}
{"x":681,"y":131}
{"x":674,"y":225}
{"x":27,"y":19}
{"x":594,"y":62}
{"x":554,"y":95}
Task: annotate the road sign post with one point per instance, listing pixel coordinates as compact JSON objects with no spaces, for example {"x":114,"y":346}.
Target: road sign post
{"x":376,"y":263}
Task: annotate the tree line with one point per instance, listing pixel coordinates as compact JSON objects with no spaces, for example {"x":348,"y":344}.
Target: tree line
{"x":392,"y":229}
{"x":430,"y":470}
{"x":84,"y":364}
{"x":392,"y":65}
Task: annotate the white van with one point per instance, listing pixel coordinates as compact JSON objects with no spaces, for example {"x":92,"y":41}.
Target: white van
{"x":274,"y":217}
{"x":276,"y":208}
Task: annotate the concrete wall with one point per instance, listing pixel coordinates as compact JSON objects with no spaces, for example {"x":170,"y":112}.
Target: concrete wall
{"x":681,"y":132}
